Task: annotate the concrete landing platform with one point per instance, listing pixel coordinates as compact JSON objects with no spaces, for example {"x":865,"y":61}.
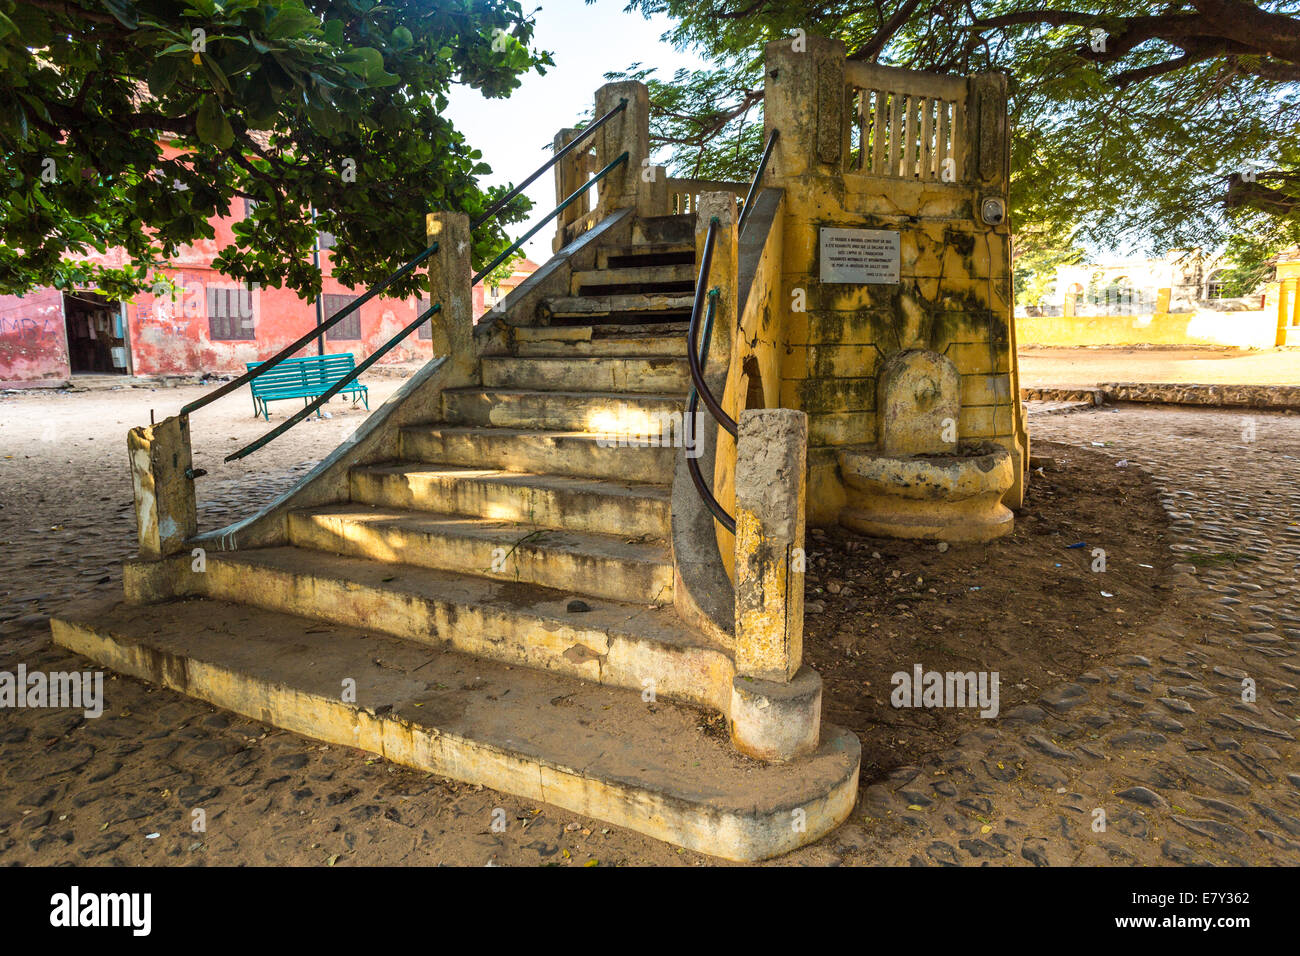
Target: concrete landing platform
{"x":596,"y":750}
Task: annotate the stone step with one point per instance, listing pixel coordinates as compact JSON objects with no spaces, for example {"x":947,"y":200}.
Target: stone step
{"x":591,"y":306}
{"x":606,"y":566}
{"x":659,"y":229}
{"x":647,"y":277}
{"x":654,"y":374}
{"x":590,"y":749}
{"x":604,"y":412}
{"x":552,"y":501}
{"x":647,"y":253}
{"x":581,"y":454}
{"x":613,"y":642}
{"x":671,"y":342}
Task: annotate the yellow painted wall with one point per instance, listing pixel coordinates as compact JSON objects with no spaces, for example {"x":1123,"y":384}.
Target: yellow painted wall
{"x":1253,"y":329}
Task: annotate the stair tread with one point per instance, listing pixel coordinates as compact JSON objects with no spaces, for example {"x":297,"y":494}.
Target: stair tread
{"x":630,"y":302}
{"x":446,"y":711}
{"x":635,"y":489}
{"x":566,"y":393}
{"x":508,"y":533}
{"x":590,"y":359}
{"x":658,"y":624}
{"x":504,"y":431}
{"x":647,"y":248}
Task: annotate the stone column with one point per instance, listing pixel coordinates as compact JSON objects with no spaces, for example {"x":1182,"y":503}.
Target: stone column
{"x":722,"y":272}
{"x":449,"y":275}
{"x":804,"y":99}
{"x":775,"y":700}
{"x":628,"y":131}
{"x":570,"y":173}
{"x":162,"y":475}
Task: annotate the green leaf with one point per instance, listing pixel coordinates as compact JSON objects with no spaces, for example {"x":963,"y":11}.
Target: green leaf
{"x":162,"y":75}
{"x":212,"y":125}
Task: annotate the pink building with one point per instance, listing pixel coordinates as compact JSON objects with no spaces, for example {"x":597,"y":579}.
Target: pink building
{"x":212,"y":324}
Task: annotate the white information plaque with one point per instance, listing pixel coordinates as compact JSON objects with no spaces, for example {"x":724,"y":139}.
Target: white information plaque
{"x":859,"y":256}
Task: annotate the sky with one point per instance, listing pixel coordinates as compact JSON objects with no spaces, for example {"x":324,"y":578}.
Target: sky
{"x":515,"y":134}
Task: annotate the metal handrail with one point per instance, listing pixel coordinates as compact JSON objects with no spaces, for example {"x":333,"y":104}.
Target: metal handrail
{"x":692,"y":333}
{"x":697,"y":354}
{"x":288,"y":350}
{"x":551,"y":215}
{"x":753,"y":187}
{"x":692,"y":464}
{"x":337,"y":387}
{"x":572,"y":144}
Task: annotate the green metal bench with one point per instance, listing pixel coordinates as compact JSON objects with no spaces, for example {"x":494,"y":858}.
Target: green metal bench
{"x":304,"y":378}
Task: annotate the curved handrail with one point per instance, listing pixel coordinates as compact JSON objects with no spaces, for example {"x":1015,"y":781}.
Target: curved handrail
{"x":692,"y":463}
{"x":697,"y":354}
{"x":692,"y":333}
{"x":504,"y":200}
{"x":758,"y":175}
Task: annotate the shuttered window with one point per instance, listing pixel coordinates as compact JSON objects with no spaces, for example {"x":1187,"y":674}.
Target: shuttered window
{"x":349,"y":329}
{"x":231,"y":314}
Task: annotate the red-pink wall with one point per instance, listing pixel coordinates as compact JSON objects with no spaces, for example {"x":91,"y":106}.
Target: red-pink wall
{"x":33,"y":340}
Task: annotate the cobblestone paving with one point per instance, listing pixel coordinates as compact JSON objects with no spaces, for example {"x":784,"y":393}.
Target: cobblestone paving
{"x":1159,"y":738}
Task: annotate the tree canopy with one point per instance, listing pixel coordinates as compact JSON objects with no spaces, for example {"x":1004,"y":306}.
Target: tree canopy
{"x":129,"y":124}
{"x":1155,"y":126}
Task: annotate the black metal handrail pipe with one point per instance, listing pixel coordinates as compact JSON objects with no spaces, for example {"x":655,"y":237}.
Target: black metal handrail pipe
{"x":758,"y":176}
{"x":549,"y":216}
{"x":693,"y":335}
{"x":288,"y":350}
{"x":692,"y":462}
{"x":572,"y":144}
{"x":337,"y":387}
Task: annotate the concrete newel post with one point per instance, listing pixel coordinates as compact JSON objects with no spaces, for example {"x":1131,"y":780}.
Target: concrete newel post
{"x":163,"y":479}
{"x":804,"y":98}
{"x":449,"y":275}
{"x":775,"y":700}
{"x":722,"y":272}
{"x":570,"y":173}
{"x":628,"y":131}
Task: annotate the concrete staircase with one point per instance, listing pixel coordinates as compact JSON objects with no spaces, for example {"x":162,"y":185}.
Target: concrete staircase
{"x":502,"y":594}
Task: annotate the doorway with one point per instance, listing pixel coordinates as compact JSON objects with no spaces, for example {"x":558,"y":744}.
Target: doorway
{"x":96,"y":335}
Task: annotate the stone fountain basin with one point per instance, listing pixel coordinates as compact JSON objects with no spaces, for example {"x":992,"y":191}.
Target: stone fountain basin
{"x":954,"y":497}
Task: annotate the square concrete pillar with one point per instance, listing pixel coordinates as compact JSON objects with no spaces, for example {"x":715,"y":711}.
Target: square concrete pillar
{"x":449,"y":284}
{"x":627,"y":131}
{"x":771,"y":480}
{"x":804,"y":98}
{"x":161,"y":474}
{"x":722,"y":271}
{"x":570,"y":174}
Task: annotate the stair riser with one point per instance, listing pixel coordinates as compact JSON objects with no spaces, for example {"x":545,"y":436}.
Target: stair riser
{"x":661,"y":375}
{"x":646,"y":275}
{"x":504,"y":560}
{"x":539,"y":455}
{"x":640,"y":257}
{"x":548,"y":507}
{"x":630,"y":416}
{"x":696,"y":675}
{"x":615,"y":348}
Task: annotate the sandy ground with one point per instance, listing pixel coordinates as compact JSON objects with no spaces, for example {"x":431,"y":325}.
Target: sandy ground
{"x":66,"y":514}
{"x":1206,"y":366}
{"x":122,"y":789}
